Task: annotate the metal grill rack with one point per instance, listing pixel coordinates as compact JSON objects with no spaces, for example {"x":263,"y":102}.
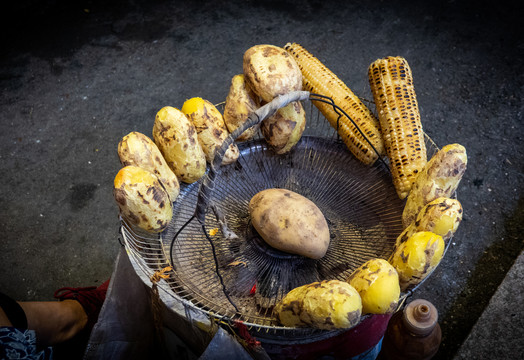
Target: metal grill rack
{"x":223,"y":270}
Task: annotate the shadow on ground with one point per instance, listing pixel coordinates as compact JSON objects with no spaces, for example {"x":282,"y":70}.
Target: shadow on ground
{"x":487,"y":275}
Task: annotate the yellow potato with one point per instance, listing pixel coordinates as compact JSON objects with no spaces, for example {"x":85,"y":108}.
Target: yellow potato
{"x":177,"y":139}
{"x":288,"y":310}
{"x":332,"y":305}
{"x":137,"y":149}
{"x":271,"y":71}
{"x":416,"y":258}
{"x":439,"y":178}
{"x":240,"y":103}
{"x":290,"y":222}
{"x":325,"y":305}
{"x":142,"y":199}
{"x":441,"y":216}
{"x":284,"y":129}
{"x":210,"y":128}
{"x":377,"y":282}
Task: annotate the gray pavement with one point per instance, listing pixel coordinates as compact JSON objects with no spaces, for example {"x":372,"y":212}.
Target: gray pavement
{"x":76,"y":77}
{"x":496,"y":331}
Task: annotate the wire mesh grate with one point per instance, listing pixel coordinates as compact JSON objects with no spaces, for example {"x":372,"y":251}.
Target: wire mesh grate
{"x":359,"y":202}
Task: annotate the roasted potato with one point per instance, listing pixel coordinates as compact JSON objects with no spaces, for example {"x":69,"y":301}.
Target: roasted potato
{"x":284,"y":129}
{"x":415,"y":258}
{"x":142,"y":199}
{"x":270,"y":71}
{"x":211,"y":129}
{"x":441,"y":216}
{"x":329,"y":305}
{"x":289,"y":309}
{"x":377,"y":282}
{"x":439,"y":178}
{"x":176,"y":137}
{"x":241,"y":101}
{"x":290,"y":222}
{"x":137,"y":149}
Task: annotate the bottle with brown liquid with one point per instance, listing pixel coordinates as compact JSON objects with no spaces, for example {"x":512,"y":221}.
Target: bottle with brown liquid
{"x":413,"y":333}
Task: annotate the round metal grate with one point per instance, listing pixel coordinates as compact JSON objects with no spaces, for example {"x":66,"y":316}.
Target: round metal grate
{"x":221,"y":266}
{"x":359,"y":203}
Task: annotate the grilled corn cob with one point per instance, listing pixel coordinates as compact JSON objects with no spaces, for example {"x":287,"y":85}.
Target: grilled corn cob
{"x":391,"y":83}
{"x":317,"y":78}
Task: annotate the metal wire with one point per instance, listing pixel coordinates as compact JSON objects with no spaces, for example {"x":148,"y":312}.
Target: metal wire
{"x":321,"y":171}
{"x":340,"y":112}
{"x":239,"y":283}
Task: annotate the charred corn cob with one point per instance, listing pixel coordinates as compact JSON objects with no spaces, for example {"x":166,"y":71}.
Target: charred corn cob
{"x":317,"y":78}
{"x":391,"y":83}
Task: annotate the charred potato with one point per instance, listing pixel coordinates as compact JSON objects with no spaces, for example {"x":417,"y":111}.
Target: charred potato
{"x":289,"y":309}
{"x":325,"y":305}
{"x":439,"y":178}
{"x":441,"y":216}
{"x":290,"y":222}
{"x":142,"y":199}
{"x":377,"y":282}
{"x":241,"y":101}
{"x":210,"y":127}
{"x":284,"y":129}
{"x":416,"y":258}
{"x":176,"y":137}
{"x":137,"y":149}
{"x":271,"y":71}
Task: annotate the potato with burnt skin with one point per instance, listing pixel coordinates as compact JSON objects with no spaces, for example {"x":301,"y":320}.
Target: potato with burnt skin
{"x":176,"y":137}
{"x":271,"y":71}
{"x":137,"y":149}
{"x":284,"y":129}
{"x":439,"y":178}
{"x":241,"y":101}
{"x":289,"y":309}
{"x":377,"y":282}
{"x":441,"y":216}
{"x":328,"y":305}
{"x":290,"y":222}
{"x":211,"y":129}
{"x":142,"y":199}
{"x":415,"y":258}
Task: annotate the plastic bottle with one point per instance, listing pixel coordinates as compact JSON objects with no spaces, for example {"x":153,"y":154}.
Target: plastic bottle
{"x":413,"y":333}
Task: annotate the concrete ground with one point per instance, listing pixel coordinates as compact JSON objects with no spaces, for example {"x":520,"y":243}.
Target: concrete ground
{"x":77,"y":76}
